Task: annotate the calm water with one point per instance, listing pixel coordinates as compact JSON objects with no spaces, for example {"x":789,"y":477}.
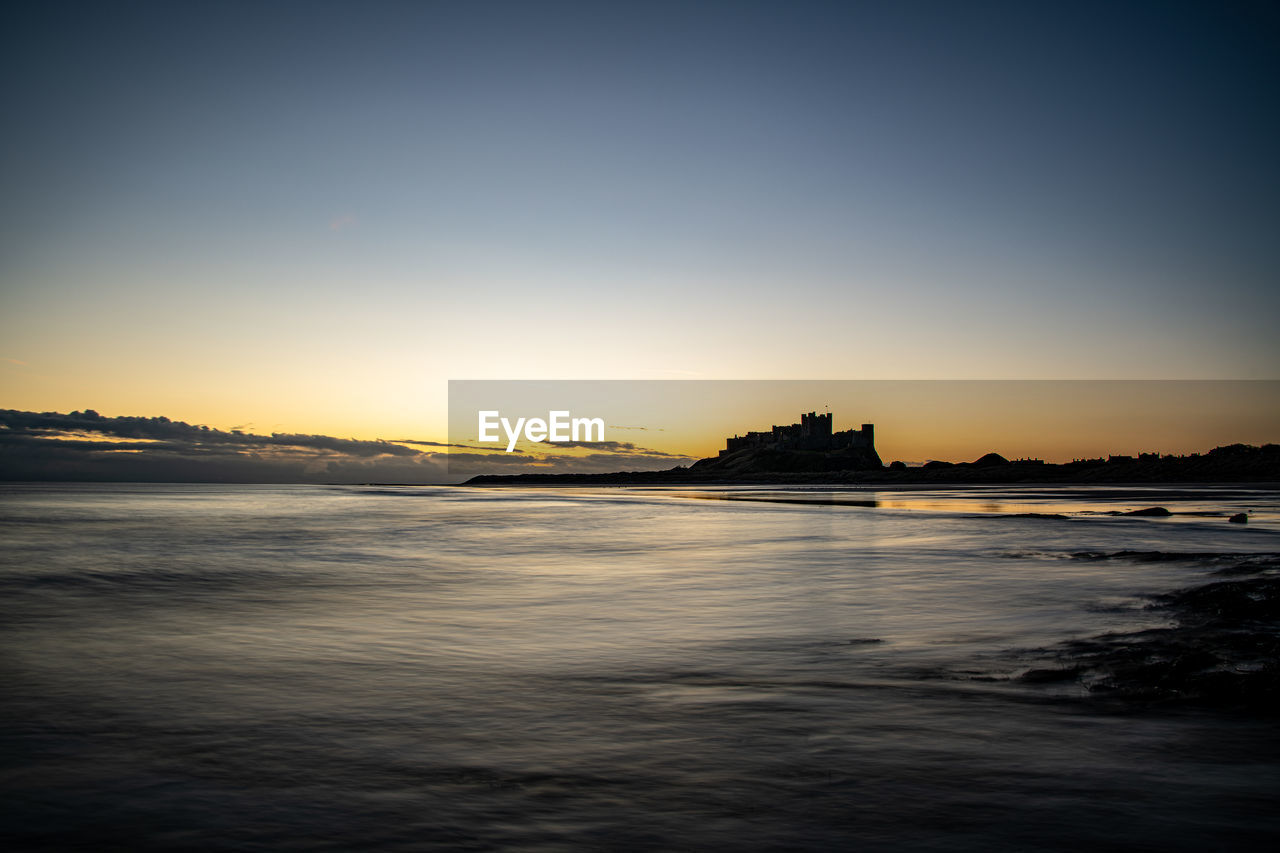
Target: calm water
{"x":241,"y":667}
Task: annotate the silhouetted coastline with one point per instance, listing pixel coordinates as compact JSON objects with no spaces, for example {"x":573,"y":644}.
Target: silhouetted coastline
{"x":1235,"y":463}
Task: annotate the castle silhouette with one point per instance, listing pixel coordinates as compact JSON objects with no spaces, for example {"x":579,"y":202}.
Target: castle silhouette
{"x":812,"y":433}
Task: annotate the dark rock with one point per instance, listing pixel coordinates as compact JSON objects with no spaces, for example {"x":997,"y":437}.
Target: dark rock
{"x":897,"y":465}
{"x":1239,"y":518}
{"x":1223,"y":649}
{"x":1223,"y":564}
{"x":1050,"y":676}
{"x":1230,"y":601}
{"x":1152,"y":511}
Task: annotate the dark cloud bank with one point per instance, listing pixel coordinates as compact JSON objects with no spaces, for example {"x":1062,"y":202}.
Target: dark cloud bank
{"x":88,"y":447}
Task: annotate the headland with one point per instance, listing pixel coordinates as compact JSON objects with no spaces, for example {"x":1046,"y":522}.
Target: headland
{"x":811,"y":452}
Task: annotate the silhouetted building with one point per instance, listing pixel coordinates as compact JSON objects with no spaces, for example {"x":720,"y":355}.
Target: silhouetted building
{"x":812,"y":433}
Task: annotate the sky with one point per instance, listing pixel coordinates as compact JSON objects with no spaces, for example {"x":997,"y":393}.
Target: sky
{"x":658,"y":425}
{"x":914,"y":420}
{"x":308,"y":217}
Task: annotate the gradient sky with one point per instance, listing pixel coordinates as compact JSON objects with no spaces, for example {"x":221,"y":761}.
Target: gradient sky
{"x":308,"y":216}
{"x":915,"y":420}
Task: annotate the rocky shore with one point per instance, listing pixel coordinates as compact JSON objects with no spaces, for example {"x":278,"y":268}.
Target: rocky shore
{"x":1222,"y":648}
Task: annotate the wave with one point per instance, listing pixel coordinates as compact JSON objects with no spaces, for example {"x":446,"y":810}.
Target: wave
{"x":1223,"y":562}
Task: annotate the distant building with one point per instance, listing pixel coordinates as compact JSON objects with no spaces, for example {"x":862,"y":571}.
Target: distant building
{"x":812,"y":433}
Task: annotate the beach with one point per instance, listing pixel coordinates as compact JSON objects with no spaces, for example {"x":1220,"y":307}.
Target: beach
{"x":404,"y":668}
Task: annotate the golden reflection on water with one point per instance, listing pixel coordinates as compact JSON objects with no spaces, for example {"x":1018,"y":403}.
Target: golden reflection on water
{"x":1083,"y":502}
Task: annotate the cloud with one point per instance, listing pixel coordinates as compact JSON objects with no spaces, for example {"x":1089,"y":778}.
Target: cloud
{"x":14,"y":361}
{"x":421,"y":443}
{"x":87,"y":446}
{"x":626,"y":457}
{"x":491,"y":459}
{"x":618,"y":447}
{"x":338,"y":223}
{"x":51,"y":424}
{"x":610,"y":462}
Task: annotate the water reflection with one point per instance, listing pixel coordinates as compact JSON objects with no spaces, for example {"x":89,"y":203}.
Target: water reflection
{"x":261,"y":667}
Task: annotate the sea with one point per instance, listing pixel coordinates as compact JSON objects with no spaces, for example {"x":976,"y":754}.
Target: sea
{"x":385,"y":668}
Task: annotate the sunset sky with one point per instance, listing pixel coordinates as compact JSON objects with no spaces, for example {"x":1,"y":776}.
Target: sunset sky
{"x":308,"y":217}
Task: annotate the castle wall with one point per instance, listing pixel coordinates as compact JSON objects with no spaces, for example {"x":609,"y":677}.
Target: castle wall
{"x":812,"y":433}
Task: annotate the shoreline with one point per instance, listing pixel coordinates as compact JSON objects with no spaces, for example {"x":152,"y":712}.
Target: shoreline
{"x":1119,"y":488}
{"x":853,"y":481}
{"x":1234,"y":464}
